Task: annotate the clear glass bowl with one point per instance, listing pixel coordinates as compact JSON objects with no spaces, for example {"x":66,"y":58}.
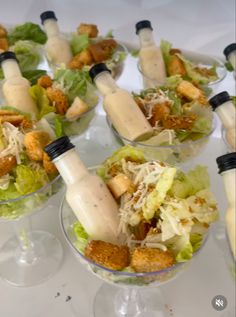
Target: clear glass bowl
{"x":198,"y":59}
{"x":126,"y":300}
{"x":29,"y":257}
{"x":115,"y":67}
{"x":172,"y":154}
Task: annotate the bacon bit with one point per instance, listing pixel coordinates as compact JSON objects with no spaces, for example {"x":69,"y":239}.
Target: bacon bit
{"x":205,"y":225}
{"x":200,"y":201}
{"x":184,"y":221}
{"x":190,"y":209}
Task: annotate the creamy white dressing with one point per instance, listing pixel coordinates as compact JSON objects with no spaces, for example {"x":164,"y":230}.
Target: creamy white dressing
{"x":89,"y":198}
{"x":16,"y":89}
{"x":227,"y":115}
{"x":57,"y":47}
{"x":229,"y":178}
{"x":124,"y":113}
{"x":151,"y":60}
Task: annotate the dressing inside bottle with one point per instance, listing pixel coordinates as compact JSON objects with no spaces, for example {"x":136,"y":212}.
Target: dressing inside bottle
{"x":15,"y":87}
{"x":230,"y":54}
{"x":87,"y":194}
{"x":124,"y":113}
{"x":227,"y":169}
{"x":225,"y":109}
{"x":151,"y":61}
{"x":57,"y":46}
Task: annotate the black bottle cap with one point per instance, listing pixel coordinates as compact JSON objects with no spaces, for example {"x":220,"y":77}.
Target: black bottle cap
{"x":226,"y":162}
{"x":144,"y":24}
{"x":219,"y":99}
{"x":47,"y":15}
{"x":58,"y":147}
{"x":7,"y":55}
{"x":97,"y":69}
{"x":229,"y":49}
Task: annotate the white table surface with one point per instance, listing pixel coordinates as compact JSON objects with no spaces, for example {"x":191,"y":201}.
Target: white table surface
{"x":203,"y":26}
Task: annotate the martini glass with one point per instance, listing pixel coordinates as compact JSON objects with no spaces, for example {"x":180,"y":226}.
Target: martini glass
{"x":124,"y":294}
{"x":29,"y":257}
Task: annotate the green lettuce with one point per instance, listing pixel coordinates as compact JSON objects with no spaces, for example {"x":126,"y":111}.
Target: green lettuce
{"x":29,"y":180}
{"x":27,"y":54}
{"x":81,"y":235}
{"x":78,"y":43}
{"x":165,"y":49}
{"x":33,"y":75}
{"x":188,"y":184}
{"x":58,"y":124}
{"x":194,"y":75}
{"x":157,"y":196}
{"x":27,"y":31}
{"x":76,"y":83}
{"x":196,"y":241}
{"x":125,"y":152}
{"x":38,"y":93}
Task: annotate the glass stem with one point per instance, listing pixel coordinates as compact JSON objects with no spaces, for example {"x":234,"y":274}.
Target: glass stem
{"x":128,"y":302}
{"x":25,"y":254}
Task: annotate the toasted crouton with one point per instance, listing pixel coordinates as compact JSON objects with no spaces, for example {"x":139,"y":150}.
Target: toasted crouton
{"x":3,"y":31}
{"x":58,"y":98}
{"x":45,"y":81}
{"x":160,"y":111}
{"x":7,"y":163}
{"x":151,"y":260}
{"x":119,"y":184}
{"x":90,"y":29}
{"x":77,"y":108}
{"x":81,"y":59}
{"x":15,"y":119}
{"x":109,"y":255}
{"x":102,"y":50}
{"x":4,"y":44}
{"x":176,"y":66}
{"x":188,"y":90}
{"x":48,"y":165}
{"x":178,"y":123}
{"x":35,"y":141}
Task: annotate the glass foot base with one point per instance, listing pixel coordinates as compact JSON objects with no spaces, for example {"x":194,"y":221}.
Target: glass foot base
{"x":41,"y":263}
{"x":112,"y":301}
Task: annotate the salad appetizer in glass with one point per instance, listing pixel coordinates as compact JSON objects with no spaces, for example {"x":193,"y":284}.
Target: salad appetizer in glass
{"x":181,"y":118}
{"x":28,"y":181}
{"x":81,"y":49}
{"x":164,"y":215}
{"x":157,"y":63}
{"x":26,"y":42}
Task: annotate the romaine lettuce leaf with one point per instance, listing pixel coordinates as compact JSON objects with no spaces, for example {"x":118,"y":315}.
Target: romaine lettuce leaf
{"x":81,"y":235}
{"x":165,"y":49}
{"x":33,"y":75}
{"x":203,"y":206}
{"x":27,"y":54}
{"x":129,"y":152}
{"x":78,"y":43}
{"x":29,"y":180}
{"x":27,"y":31}
{"x":38,"y":93}
{"x":76,"y":83}
{"x":157,"y":196}
{"x":188,"y":184}
{"x":196,"y":241}
{"x":195,"y":75}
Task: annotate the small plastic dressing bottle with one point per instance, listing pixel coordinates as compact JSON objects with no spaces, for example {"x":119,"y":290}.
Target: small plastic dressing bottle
{"x":227,"y":169}
{"x":87,"y":195}
{"x":15,"y":87}
{"x":151,"y":61}
{"x":57,"y":46}
{"x":124,"y":113}
{"x":225,"y":109}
